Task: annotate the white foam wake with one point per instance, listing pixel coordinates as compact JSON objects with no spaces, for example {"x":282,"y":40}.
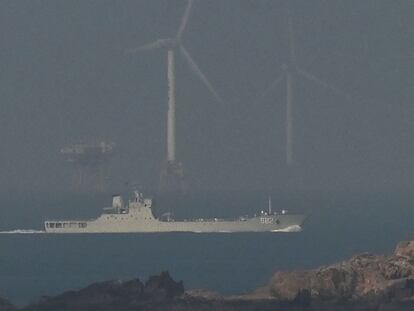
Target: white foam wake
{"x":22,"y":231}
{"x":294,"y":228}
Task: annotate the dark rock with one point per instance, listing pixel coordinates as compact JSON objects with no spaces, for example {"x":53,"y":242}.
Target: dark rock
{"x":303,"y":298}
{"x":6,"y":306}
{"x":163,"y":287}
{"x":114,"y":294}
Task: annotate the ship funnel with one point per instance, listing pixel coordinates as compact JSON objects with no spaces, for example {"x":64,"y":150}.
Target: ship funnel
{"x":117,"y":202}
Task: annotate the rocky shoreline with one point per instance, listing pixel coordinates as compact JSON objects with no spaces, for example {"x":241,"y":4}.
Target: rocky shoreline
{"x":364,"y":282}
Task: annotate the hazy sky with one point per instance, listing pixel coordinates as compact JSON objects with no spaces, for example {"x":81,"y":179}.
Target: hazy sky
{"x":65,"y":77}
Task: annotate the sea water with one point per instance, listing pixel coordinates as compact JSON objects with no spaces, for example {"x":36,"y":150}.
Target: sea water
{"x":35,"y":264}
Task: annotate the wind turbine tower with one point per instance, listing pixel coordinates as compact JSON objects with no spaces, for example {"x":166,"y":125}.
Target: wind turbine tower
{"x":172,"y":174}
{"x":289,"y":72}
{"x":289,"y":97}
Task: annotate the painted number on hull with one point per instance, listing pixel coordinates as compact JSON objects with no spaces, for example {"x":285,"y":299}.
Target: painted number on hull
{"x":266,"y":220}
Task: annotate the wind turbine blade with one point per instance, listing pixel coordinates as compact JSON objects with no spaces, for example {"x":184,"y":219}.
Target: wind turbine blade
{"x":199,"y":73}
{"x":184,"y":20}
{"x":322,"y":83}
{"x":147,"y":47}
{"x":273,"y":85}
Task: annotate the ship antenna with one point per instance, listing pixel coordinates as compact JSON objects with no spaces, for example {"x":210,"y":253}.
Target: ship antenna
{"x":270,"y":205}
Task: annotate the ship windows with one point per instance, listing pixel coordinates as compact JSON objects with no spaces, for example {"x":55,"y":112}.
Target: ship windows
{"x":59,"y":225}
{"x":50,"y":225}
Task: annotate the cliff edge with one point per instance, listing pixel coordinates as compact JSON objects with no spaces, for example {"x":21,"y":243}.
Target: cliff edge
{"x":363,"y":277}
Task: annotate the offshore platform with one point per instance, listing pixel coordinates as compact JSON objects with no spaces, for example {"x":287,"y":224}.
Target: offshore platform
{"x":89,"y":162}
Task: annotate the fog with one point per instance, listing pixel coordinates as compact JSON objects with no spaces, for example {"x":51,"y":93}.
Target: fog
{"x":65,"y":77}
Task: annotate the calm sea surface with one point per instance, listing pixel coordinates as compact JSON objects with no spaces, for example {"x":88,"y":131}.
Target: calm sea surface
{"x":32,"y":265}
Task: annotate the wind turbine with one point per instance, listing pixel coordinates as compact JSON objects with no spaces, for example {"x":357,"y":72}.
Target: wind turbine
{"x":172,"y":176}
{"x":289,"y":72}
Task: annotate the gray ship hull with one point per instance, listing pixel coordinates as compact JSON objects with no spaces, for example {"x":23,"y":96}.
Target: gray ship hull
{"x":138,"y":218}
{"x":283,"y":223}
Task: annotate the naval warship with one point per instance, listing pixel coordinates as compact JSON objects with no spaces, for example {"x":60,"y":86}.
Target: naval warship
{"x":137,"y":216}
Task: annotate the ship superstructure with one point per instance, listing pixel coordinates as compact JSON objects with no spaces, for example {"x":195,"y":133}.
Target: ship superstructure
{"x":137,"y":216}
